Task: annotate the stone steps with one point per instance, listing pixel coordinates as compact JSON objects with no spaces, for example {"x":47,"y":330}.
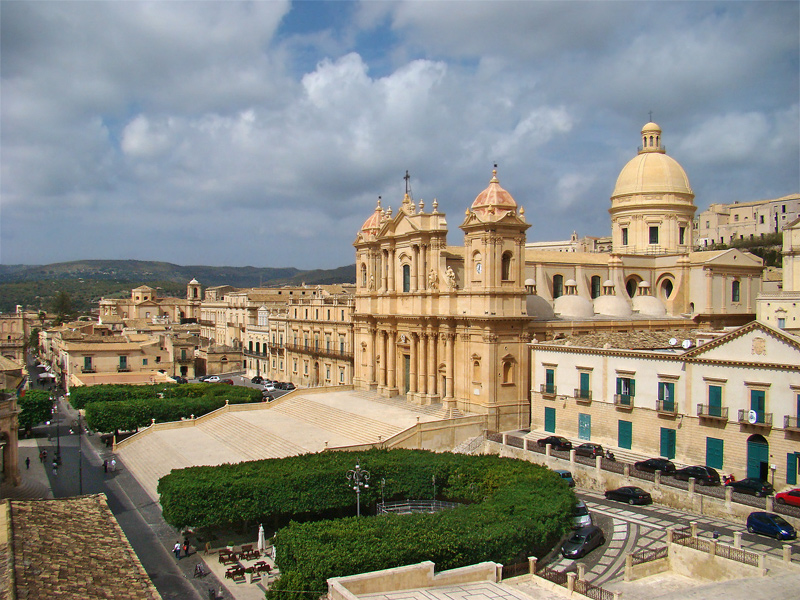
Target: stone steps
{"x":148,"y":460}
{"x":434,"y":410}
{"x":362,"y":430}
{"x":254,"y":443}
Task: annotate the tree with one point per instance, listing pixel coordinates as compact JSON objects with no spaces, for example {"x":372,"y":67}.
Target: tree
{"x":62,"y":307}
{"x":34,"y":407}
{"x":33,"y":341}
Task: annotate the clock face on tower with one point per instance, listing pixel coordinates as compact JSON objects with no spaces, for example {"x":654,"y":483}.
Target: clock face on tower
{"x":478,"y":268}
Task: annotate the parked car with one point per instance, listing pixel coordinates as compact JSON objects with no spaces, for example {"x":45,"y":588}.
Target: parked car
{"x":179,"y":379}
{"x":791,"y":497}
{"x":753,"y":486}
{"x":703,"y":475}
{"x":269,"y":386}
{"x":589,"y":449}
{"x":655,"y":464}
{"x":566,"y":476}
{"x":285,"y":385}
{"x":257,"y":379}
{"x":227,"y":381}
{"x":211,"y":379}
{"x":630,"y":494}
{"x":556,"y":442}
{"x":582,"y":516}
{"x":771,"y":525}
{"x":583,"y":541}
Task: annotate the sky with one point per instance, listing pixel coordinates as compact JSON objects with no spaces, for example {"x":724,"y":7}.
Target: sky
{"x":263,"y":133}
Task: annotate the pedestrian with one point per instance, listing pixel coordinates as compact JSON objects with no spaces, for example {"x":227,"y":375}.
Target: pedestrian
{"x":177,"y":550}
{"x":186,"y":547}
{"x":113,"y":464}
{"x":55,"y":467}
{"x":105,"y":466}
{"x":208,"y":548}
{"x":44,"y":456}
{"x":41,"y":456}
{"x":27,"y":462}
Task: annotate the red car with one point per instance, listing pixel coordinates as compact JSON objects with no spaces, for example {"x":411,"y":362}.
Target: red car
{"x":791,"y":497}
{"x":227,"y":381}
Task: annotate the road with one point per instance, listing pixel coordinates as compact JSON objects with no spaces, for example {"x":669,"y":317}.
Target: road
{"x":631,"y":528}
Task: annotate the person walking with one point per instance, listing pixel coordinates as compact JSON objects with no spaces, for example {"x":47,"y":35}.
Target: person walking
{"x":186,"y":547}
{"x":55,"y":467}
{"x":105,"y":466}
{"x":27,"y":463}
{"x":113,"y":464}
{"x":177,"y":550}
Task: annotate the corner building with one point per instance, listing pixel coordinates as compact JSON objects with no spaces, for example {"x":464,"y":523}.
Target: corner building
{"x":445,"y":324}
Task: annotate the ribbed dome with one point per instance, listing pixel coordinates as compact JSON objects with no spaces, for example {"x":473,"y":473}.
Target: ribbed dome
{"x":494,"y":199}
{"x":652,"y":171}
{"x":373,"y":223}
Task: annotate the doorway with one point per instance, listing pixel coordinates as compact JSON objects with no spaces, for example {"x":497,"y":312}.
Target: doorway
{"x":757,"y":457}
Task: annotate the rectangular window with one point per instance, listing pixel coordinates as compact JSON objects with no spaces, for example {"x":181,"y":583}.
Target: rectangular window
{"x":626,"y":389}
{"x":715,"y":448}
{"x":715,"y":400}
{"x":624,"y":236}
{"x":341,"y":374}
{"x":305,"y":367}
{"x":144,"y":362}
{"x":758,"y":404}
{"x":327,"y":373}
{"x":624,"y":434}
{"x":682,"y":236}
{"x":781,"y":323}
{"x":585,"y":385}
{"x":183,"y":353}
{"x":666,"y":394}
{"x":550,"y":381}
{"x":87,"y":363}
{"x":653,"y":235}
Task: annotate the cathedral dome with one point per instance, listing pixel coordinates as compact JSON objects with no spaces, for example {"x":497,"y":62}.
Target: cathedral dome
{"x":494,"y":199}
{"x":652,"y":171}
{"x":371,"y":226}
{"x":611,"y":305}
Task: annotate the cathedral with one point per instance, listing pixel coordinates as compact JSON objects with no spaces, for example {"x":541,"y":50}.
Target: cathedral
{"x":447,"y":324}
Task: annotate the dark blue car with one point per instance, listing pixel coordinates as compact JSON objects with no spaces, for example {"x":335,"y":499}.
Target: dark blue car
{"x":770,"y":524}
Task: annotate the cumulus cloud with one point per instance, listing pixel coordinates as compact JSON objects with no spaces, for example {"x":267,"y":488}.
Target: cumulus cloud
{"x":263,"y":125}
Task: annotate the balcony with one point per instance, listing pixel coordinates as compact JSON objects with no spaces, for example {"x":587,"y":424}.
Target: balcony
{"x":319,"y":351}
{"x":706,"y":411}
{"x":667,"y":407}
{"x":623,"y":401}
{"x":584,"y":396}
{"x":88,"y":370}
{"x":548,"y":390}
{"x":123,"y":370}
{"x":791,"y":423}
{"x":757,"y":418}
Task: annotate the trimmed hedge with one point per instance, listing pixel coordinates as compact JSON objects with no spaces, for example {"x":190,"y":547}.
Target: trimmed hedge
{"x":34,"y":406}
{"x":512,"y":509}
{"x":129,"y":407}
{"x":80,"y":397}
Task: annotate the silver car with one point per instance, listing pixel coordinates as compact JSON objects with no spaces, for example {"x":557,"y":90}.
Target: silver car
{"x":582,"y":517}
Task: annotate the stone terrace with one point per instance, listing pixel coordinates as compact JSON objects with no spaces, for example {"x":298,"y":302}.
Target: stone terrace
{"x":295,"y":424}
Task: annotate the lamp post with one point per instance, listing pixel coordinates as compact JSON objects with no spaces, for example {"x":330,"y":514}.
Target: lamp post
{"x":434,"y":487}
{"x":57,"y":457}
{"x":359,"y":478}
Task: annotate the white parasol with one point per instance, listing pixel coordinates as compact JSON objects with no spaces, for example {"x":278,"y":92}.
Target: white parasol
{"x":262,"y":542}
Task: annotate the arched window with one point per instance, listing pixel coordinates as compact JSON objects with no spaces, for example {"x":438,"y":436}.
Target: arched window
{"x":363,"y":275}
{"x":558,"y":286}
{"x":506,"y":267}
{"x":666,"y":288}
{"x":595,"y":286}
{"x":251,"y":345}
{"x":508,"y":370}
{"x":476,"y":370}
{"x":406,"y":278}
{"x":735,"y":290}
{"x":630,"y":287}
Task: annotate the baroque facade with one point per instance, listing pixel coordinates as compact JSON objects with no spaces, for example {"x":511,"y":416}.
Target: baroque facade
{"x":781,"y":308}
{"x":442,"y":323}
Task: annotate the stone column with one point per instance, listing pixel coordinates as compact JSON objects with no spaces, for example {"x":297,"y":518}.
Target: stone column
{"x":390,"y":270}
{"x":749,"y":292}
{"x":422,"y":368}
{"x":726,"y":294}
{"x":373,"y":343}
{"x":433,"y":348}
{"x":412,"y":379}
{"x":451,"y":359}
{"x":384,"y":353}
{"x":709,"y":290}
{"x":392,"y":356}
{"x":414,"y":267}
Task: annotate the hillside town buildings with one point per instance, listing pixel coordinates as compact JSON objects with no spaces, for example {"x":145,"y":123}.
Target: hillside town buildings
{"x":727,"y":223}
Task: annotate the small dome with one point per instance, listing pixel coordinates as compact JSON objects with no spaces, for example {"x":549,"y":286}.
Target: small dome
{"x":194,"y":282}
{"x":373,"y":223}
{"x":612,"y":306}
{"x":649,"y":305}
{"x":538,"y":308}
{"x":651,"y":128}
{"x":570,"y":283}
{"x":494,"y":199}
{"x":643,"y":285}
{"x":530,"y":282}
{"x":608,"y":283}
{"x":573,"y":306}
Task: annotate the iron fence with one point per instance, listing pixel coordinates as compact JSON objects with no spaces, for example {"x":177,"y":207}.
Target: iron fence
{"x":415,"y":506}
{"x":593,"y":591}
{"x":516,"y":569}
{"x":643,"y":556}
{"x":558,"y":577}
{"x":743,"y":556}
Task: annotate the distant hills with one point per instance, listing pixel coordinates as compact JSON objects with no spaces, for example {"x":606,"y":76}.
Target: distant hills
{"x":33,"y":286}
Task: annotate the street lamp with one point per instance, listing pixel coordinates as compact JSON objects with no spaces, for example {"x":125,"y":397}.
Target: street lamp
{"x":358,"y":477}
{"x":57,"y":457}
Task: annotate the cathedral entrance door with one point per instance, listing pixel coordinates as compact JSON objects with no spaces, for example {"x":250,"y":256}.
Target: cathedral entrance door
{"x":406,"y":373}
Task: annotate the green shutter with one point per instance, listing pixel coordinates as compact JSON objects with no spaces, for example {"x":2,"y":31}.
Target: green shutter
{"x":715,"y":448}
{"x":584,"y":382}
{"x":619,"y":385}
{"x":791,"y":468}
{"x":667,"y":442}
{"x":625,"y":434}
{"x":632,"y":387}
{"x":550,"y":419}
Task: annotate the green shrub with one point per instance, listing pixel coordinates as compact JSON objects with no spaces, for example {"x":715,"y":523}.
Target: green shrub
{"x":511,"y":509}
{"x":34,"y":408}
{"x":80,"y":397}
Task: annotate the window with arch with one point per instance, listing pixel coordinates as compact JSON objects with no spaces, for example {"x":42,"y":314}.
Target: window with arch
{"x":406,"y":278}
{"x":476,"y":370}
{"x":558,"y":286}
{"x":735,"y":290}
{"x":506,"y":267}
{"x":363,"y":275}
{"x":631,"y":286}
{"x":595,"y":286}
{"x":666,"y":288}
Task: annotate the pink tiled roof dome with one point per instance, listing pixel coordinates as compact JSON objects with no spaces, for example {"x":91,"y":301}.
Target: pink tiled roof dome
{"x":373,"y":223}
{"x":494,"y":199}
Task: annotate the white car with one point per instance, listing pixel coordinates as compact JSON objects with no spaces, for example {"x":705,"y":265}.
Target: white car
{"x":269,"y":386}
{"x":212,"y":379}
